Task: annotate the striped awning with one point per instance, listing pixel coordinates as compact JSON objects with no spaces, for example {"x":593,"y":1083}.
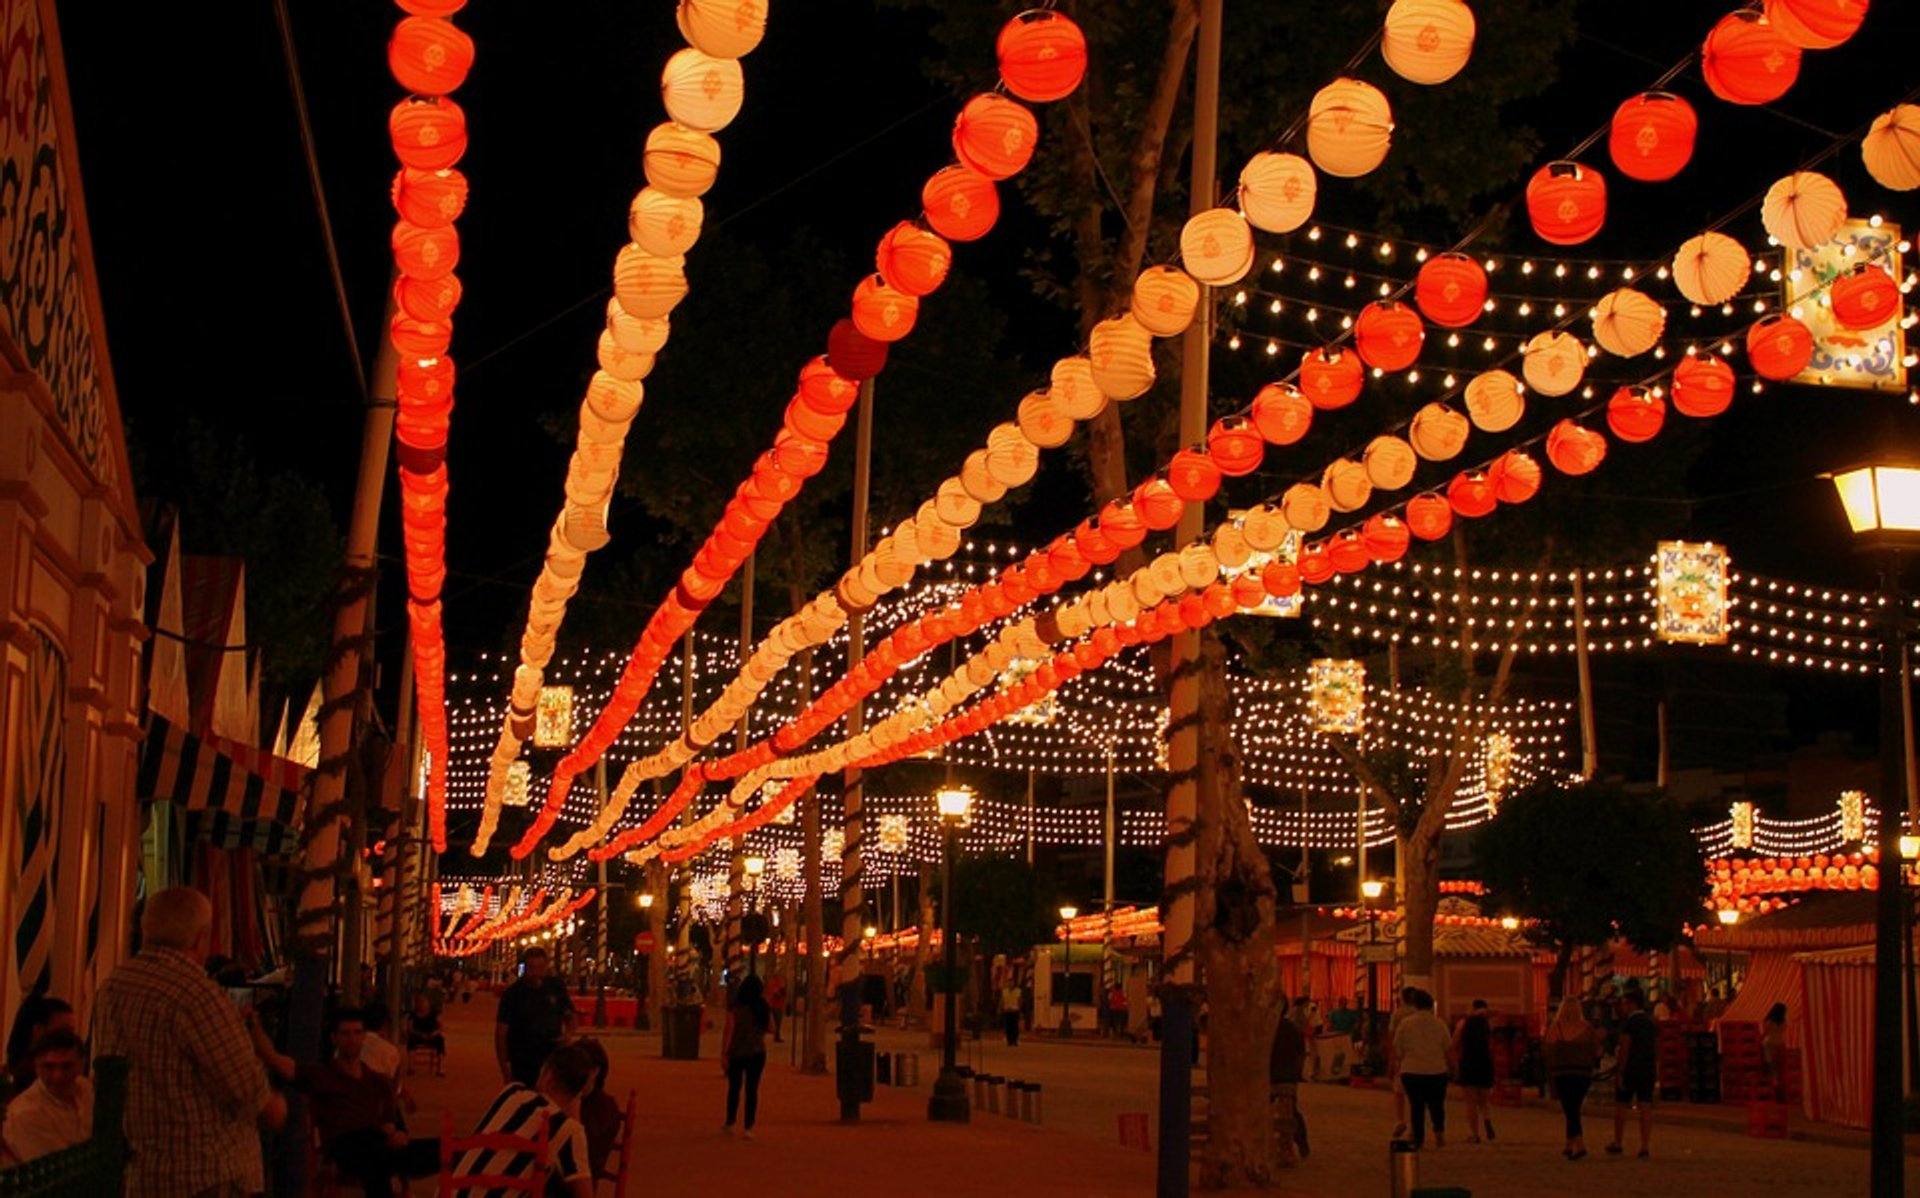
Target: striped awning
{"x":232,"y":795}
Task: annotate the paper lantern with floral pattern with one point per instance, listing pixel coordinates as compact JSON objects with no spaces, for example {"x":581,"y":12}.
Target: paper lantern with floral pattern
{"x":1346,"y":485}
{"x":1711,"y":269}
{"x":1437,"y":432}
{"x":1628,"y":323}
{"x":1235,"y":446}
{"x":1158,"y":503}
{"x":1427,"y":41}
{"x":1635,"y":414}
{"x":1390,"y":462}
{"x":1385,"y":537}
{"x":1281,"y":414}
{"x":882,"y":312}
{"x":995,"y":136}
{"x":852,"y":354}
{"x":1314,"y":564}
{"x":1554,"y":363}
{"x":1702,"y":386}
{"x":1451,"y":290}
{"x":648,"y":286}
{"x":1277,"y":191}
{"x":662,"y":224}
{"x":1804,"y":210}
{"x":1566,"y":202}
{"x":431,"y":300}
{"x":1494,"y":401}
{"x":1779,"y":347}
{"x":429,"y":199}
{"x":961,"y":204}
{"x":1865,"y":297}
{"x":1164,"y":300}
{"x":702,"y":92}
{"x":1305,"y":508}
{"x":1216,"y":247}
{"x":1816,"y":24}
{"x":1348,"y":552}
{"x":912,"y":260}
{"x":1193,"y":475}
{"x":1388,"y":335}
{"x":429,"y":56}
{"x":1575,"y":449}
{"x":428,"y":133}
{"x":1747,"y":61}
{"x":1121,"y":352}
{"x":1043,"y":55}
{"x":1429,"y":516}
{"x":1471,"y":494}
{"x":1042,"y":422}
{"x":1651,"y":137}
{"x":722,"y":28}
{"x":1891,"y":148}
{"x":1074,"y":388}
{"x":425,"y":253}
{"x":680,"y":161}
{"x":1331,"y":377}
{"x":1515,"y":476}
{"x":1349,"y":128}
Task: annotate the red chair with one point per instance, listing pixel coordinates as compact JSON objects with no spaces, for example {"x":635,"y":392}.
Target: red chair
{"x":623,"y":1147}
{"x":452,"y":1146}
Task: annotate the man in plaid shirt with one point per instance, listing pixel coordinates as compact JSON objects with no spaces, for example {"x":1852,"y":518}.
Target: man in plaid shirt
{"x":196,"y":1094}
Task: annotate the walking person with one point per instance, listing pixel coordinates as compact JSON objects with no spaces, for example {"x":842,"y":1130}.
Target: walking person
{"x":1398,"y":1016}
{"x":1572,"y":1047}
{"x":1010,"y":1013}
{"x":1773,"y":1049}
{"x":196,"y":1094}
{"x":535,"y":1012}
{"x":743,"y":1052}
{"x":1637,"y":1055}
{"x":1285,"y":1071}
{"x":777,"y":1002}
{"x":1474,"y":1038}
{"x":1422,"y":1045}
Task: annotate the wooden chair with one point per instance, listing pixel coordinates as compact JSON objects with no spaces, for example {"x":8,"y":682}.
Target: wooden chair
{"x":623,"y":1147}
{"x":419,"y":1051}
{"x":452,"y":1147}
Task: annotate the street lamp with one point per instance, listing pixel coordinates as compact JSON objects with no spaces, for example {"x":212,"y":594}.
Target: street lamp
{"x":1882,"y":503}
{"x":949,"y":1101}
{"x":1067,"y":913}
{"x":1370,"y":891}
{"x":755,"y":866}
{"x":1728,"y":916}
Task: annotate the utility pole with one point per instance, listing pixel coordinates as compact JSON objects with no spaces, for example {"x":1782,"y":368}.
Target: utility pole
{"x":852,"y":897}
{"x":1178,"y":982}
{"x":1589,"y":748}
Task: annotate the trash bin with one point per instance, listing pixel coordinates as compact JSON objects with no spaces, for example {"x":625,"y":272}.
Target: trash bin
{"x":1403,"y":1169}
{"x":680,"y":1033}
{"x":885,"y":1063}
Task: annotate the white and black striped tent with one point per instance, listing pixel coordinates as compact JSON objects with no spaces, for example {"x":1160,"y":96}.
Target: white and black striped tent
{"x":231,"y":795}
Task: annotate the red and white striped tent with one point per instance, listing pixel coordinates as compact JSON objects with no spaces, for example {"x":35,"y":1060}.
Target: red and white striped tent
{"x":1837,"y":986}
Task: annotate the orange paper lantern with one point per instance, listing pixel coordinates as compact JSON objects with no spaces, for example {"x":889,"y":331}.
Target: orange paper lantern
{"x":1235,"y":446}
{"x":1635,"y":414}
{"x":1348,"y":552}
{"x":852,"y":354}
{"x":1515,"y":476}
{"x":419,"y":338}
{"x":1043,"y":55}
{"x":1386,"y":537}
{"x":1494,"y":401}
{"x":429,"y":198}
{"x":1471,"y":494}
{"x":995,"y":136}
{"x":1281,"y":414}
{"x":1388,"y":335}
{"x":1158,"y":504}
{"x":1866,"y":297}
{"x":429,"y":56}
{"x":1627,"y":322}
{"x":1566,"y":202}
{"x":427,"y":299}
{"x":1746,"y":61}
{"x":1451,"y":290}
{"x":1429,"y":516}
{"x":1280,"y":579}
{"x":825,"y":390}
{"x":1652,"y":136}
{"x":428,"y":133}
{"x":881,"y":312}
{"x":1702,"y":386}
{"x":1193,"y":476}
{"x":662,"y":224}
{"x":912,"y":260}
{"x":1779,"y":347}
{"x":1891,"y":148}
{"x":1331,"y":377}
{"x":961,"y":204}
{"x":1816,"y":24}
{"x":680,"y":161}
{"x":1315,"y":564}
{"x":425,"y":253}
{"x":1575,"y":449}
{"x":1804,"y":210}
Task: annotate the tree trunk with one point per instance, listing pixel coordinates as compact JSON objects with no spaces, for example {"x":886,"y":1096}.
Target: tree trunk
{"x":1419,"y":855}
{"x":922,"y":948}
{"x":655,"y":878}
{"x":813,"y":1037}
{"x":1234,"y":923}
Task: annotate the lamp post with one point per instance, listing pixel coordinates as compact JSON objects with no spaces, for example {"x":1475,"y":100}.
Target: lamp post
{"x":1066,"y":970}
{"x":949,"y":1101}
{"x":1882,"y":503}
{"x":1909,"y":853}
{"x":1370,"y":891}
{"x":1728,"y":916}
{"x":755,"y":866}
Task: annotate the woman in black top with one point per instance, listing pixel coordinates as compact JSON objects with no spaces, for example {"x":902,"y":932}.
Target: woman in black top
{"x":743,"y":1049}
{"x":1475,"y":1068}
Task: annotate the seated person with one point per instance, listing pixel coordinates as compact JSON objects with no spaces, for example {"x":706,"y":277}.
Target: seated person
{"x":38,"y":1015}
{"x":517,"y":1111}
{"x":56,"y":1111}
{"x":355,"y":1109}
{"x":379,"y":1053}
{"x":599,"y":1113}
{"x":423,"y":1031}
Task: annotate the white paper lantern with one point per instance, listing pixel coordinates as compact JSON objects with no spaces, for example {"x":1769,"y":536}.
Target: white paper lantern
{"x":1427,"y":41}
{"x":702,"y":92}
{"x":662,"y":224}
{"x":1349,"y":128}
{"x":1554,"y":363}
{"x":1711,"y":269}
{"x":1277,"y":191}
{"x":1804,"y":210}
{"x":1217,"y":247}
{"x":722,"y":28}
{"x":1628,"y":323}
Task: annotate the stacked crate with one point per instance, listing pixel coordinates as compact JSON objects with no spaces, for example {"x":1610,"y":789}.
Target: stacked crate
{"x":1674,"y":1049}
{"x":1742,"y":1072}
{"x":1703,"y":1067}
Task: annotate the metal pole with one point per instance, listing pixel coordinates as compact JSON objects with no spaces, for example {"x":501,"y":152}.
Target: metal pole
{"x":1109,"y":838}
{"x":853,"y":790}
{"x":1888,"y":1152}
{"x":949,"y":1101}
{"x":1360,"y":849}
{"x":1663,"y":768}
{"x":1589,"y":748}
{"x":1030,"y":811}
{"x":600,"y":933}
{"x":1183,"y":700}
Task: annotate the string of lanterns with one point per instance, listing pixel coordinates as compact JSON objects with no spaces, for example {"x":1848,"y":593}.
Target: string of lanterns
{"x":429,"y":56}
{"x":703,"y":88}
{"x":1042,"y":56}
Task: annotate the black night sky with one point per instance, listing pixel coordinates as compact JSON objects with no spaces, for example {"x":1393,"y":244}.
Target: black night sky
{"x":219,"y":302}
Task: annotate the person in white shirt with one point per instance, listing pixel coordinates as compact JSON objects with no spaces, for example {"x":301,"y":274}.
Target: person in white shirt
{"x":56,"y":1111}
{"x":1422,"y":1044}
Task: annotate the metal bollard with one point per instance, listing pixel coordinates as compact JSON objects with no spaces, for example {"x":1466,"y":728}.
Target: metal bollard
{"x":979,"y":1091}
{"x":1034,"y":1088}
{"x":996,"y":1086}
{"x":906,"y":1069}
{"x":1029,"y":1102}
{"x":1403,"y":1169}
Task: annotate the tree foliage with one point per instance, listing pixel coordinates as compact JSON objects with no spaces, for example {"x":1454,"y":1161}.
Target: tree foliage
{"x":1000,"y":900}
{"x":1590,"y":861}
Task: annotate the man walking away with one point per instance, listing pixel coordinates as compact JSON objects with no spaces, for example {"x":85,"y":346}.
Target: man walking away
{"x":1010,"y":1013}
{"x":1638,"y":1058}
{"x":195,"y":1094}
{"x":1284,"y":1068}
{"x":535,"y":1012}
